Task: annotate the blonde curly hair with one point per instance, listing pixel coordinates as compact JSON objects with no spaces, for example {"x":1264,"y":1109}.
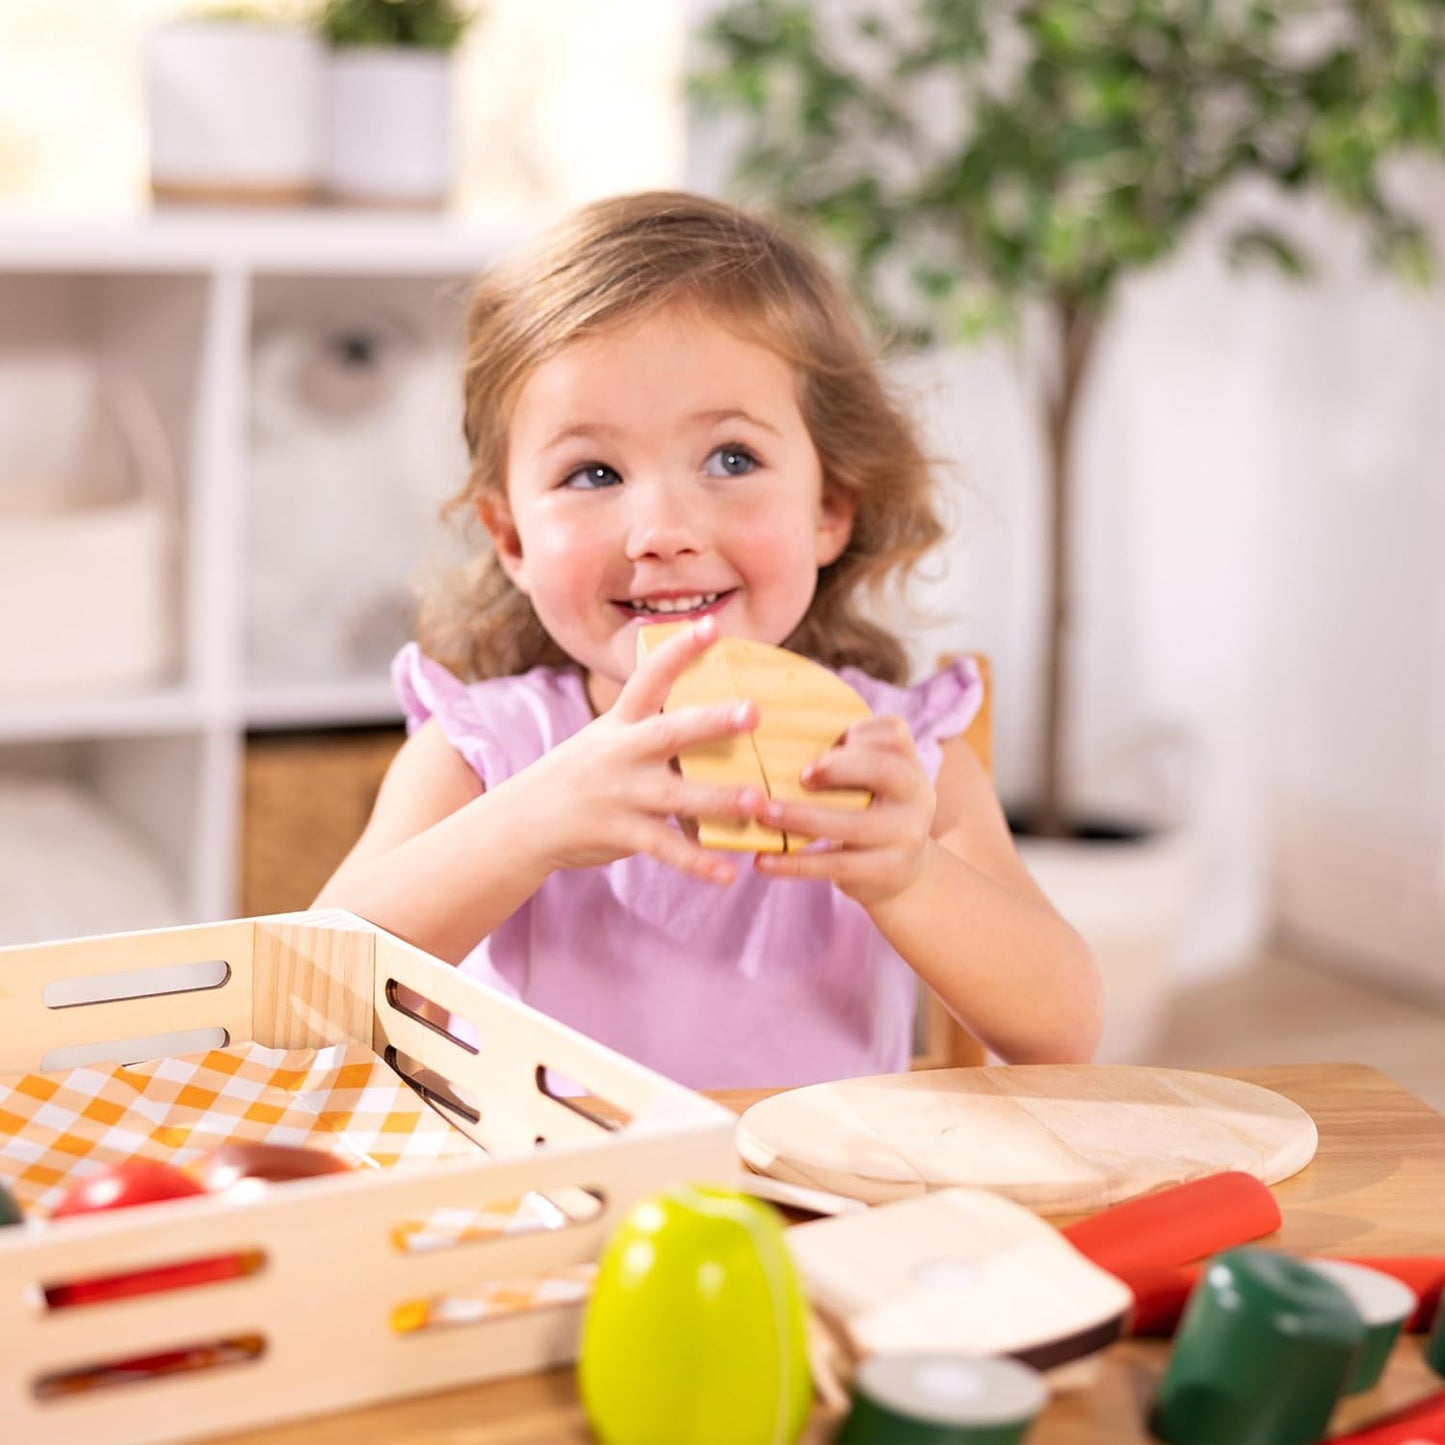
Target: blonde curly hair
{"x":618,"y":259}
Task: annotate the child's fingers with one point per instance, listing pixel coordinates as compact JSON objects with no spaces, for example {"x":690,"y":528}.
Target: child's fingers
{"x":668,"y":845}
{"x":677,"y":797}
{"x":879,"y":771}
{"x":881,"y":730}
{"x":830,"y":865}
{"x":670,"y":733}
{"x":847,"y":827}
{"x":644,"y":693}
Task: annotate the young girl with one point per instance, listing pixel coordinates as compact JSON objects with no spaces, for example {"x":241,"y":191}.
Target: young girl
{"x":672,"y":414}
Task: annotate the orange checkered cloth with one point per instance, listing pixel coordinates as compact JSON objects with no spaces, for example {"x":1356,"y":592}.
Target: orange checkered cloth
{"x":57,"y":1127}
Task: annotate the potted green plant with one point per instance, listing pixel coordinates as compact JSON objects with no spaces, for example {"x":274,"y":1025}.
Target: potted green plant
{"x":233,"y":104}
{"x":980,"y":165}
{"x":389,"y":113}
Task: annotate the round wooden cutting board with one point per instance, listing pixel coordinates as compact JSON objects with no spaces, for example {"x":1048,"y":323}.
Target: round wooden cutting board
{"x":1061,"y":1139}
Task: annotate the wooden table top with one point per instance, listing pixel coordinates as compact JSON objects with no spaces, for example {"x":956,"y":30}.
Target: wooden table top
{"x":1376,"y":1186}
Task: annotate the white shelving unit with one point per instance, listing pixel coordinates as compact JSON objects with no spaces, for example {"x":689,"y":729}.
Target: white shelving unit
{"x":179,"y":302}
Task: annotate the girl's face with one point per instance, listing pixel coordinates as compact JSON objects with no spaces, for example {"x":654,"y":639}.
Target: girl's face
{"x":661,"y":471}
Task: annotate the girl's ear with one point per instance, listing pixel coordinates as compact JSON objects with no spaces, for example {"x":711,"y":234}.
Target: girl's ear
{"x":496,"y":517}
{"x":835,"y":525}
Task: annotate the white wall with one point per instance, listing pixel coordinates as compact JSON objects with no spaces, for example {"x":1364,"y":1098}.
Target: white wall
{"x":1262,"y":491}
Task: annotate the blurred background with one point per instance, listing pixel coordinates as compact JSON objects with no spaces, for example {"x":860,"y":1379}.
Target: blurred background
{"x":1177,"y":273}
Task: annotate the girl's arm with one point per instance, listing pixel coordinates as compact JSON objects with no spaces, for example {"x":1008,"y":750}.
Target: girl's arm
{"x":443,"y":861}
{"x":936,"y":869}
{"x":979,"y":931}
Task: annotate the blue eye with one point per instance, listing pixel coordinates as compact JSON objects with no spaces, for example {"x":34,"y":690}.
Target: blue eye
{"x":731,"y":461}
{"x":591,"y":478}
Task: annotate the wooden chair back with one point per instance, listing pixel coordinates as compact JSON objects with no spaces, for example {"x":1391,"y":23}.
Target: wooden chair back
{"x":940,"y":1041}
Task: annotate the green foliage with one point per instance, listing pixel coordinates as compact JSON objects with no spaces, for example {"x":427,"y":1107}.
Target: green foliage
{"x":425,"y":24}
{"x":968,"y":155}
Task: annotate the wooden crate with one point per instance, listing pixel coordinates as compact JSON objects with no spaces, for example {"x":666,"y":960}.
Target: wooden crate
{"x":322,"y":1304}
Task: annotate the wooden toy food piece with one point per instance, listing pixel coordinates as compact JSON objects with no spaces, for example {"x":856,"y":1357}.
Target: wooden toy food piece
{"x":961,"y":1270}
{"x":1261,"y":1357}
{"x":135,"y":1181}
{"x":1159,"y":1297}
{"x":1383,"y":1303}
{"x":1175,"y":1225}
{"x":939,"y":1399}
{"x":803,"y":709}
{"x":695,"y":1333}
{"x":227,"y":1166}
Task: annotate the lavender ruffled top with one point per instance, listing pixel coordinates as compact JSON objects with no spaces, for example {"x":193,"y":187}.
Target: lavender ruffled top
{"x":765,"y":983}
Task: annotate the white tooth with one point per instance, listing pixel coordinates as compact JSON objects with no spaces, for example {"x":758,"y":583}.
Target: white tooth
{"x":675,"y":604}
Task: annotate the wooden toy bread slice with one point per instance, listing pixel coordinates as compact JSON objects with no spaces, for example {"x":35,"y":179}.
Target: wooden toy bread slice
{"x":961,"y":1270}
{"x":803,"y":710}
{"x":731,"y":761}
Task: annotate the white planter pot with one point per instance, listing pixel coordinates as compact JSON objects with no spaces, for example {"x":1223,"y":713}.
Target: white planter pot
{"x":234,"y":111}
{"x":389,"y":126}
{"x":1128,"y":900}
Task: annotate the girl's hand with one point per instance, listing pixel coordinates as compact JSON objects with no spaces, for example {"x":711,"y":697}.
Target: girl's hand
{"x":872,"y":854}
{"x":611,"y":790}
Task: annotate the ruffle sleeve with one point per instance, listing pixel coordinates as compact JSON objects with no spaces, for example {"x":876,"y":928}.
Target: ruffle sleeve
{"x":936,"y":709}
{"x":498,"y":726}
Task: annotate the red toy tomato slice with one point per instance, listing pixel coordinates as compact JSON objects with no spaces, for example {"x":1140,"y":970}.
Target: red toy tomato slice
{"x":136,"y":1181}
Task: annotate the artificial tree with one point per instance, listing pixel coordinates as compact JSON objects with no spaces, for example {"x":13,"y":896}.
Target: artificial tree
{"x":976,"y":161}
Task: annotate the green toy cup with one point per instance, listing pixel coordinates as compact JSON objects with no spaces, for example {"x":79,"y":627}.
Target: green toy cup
{"x":1261,"y":1355}
{"x":1384,"y":1304}
{"x":942,"y":1399}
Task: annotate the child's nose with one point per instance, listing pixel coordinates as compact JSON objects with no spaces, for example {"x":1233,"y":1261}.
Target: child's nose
{"x":660,"y":525}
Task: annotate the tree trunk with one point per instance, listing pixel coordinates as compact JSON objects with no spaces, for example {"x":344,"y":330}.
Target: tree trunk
{"x":1076,"y":347}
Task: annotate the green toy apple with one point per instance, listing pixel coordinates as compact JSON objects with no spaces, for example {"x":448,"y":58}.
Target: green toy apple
{"x":696,"y":1331}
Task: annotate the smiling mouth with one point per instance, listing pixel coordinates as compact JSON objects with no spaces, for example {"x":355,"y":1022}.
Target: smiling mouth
{"x":691,"y":606}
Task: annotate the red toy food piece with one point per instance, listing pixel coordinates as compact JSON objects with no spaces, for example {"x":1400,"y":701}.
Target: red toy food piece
{"x":1173,"y":1226}
{"x":1422,"y":1423}
{"x":136,"y":1181}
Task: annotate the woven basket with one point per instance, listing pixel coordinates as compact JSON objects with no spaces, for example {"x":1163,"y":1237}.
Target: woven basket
{"x":307,"y":797}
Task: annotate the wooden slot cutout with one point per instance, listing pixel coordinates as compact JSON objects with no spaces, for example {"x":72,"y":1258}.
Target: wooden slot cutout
{"x":199,"y":977}
{"x":555,"y":1085}
{"x":135,"y":1050}
{"x":424,"y":1011}
{"x":492,"y":1300}
{"x":136,"y":1369}
{"x":154,"y":1279}
{"x":432,"y":1086}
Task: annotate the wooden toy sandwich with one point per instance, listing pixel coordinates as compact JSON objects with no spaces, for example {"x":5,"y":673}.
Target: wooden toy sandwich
{"x":803,"y":710}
